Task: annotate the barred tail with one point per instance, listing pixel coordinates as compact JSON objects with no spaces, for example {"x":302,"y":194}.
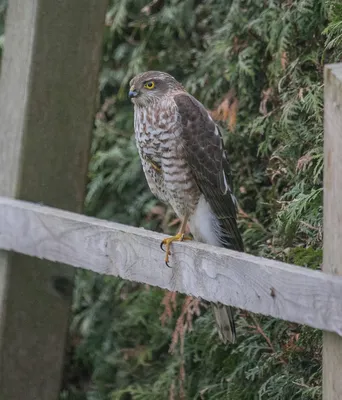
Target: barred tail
{"x":225,"y":322}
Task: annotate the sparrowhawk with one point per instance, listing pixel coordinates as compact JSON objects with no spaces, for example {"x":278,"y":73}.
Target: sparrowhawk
{"x":186,"y":166}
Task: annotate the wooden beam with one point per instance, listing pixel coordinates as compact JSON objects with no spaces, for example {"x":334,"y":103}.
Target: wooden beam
{"x":47,"y":97}
{"x":332,"y":263}
{"x":252,"y":283}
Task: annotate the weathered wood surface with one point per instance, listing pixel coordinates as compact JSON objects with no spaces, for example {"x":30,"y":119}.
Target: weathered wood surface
{"x":332,"y":263}
{"x":49,"y":78}
{"x":252,"y":283}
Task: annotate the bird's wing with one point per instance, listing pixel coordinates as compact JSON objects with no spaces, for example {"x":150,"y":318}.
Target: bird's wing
{"x":207,"y":159}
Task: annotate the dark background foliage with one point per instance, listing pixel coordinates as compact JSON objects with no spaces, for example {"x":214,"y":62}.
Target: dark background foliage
{"x":258,"y":66}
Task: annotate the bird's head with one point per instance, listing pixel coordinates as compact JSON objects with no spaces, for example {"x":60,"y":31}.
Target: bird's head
{"x":151,"y":86}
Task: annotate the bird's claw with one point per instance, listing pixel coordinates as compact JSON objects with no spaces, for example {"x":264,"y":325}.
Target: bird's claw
{"x":167,"y":242}
{"x":167,"y":250}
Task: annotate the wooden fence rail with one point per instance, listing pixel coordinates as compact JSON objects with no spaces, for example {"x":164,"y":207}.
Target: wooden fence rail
{"x":252,"y":283}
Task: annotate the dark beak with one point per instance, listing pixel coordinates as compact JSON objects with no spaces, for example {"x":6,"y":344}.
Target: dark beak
{"x":132,"y":93}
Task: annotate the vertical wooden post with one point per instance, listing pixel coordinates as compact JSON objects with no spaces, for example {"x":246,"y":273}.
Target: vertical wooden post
{"x":47,"y":98}
{"x":332,"y":343}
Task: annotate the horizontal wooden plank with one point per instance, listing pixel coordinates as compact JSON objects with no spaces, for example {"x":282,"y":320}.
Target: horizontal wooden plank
{"x":252,"y":283}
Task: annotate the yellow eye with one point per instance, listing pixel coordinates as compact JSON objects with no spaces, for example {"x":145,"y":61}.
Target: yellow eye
{"x":149,"y":85}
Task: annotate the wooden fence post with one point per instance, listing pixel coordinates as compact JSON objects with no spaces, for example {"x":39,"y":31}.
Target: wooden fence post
{"x":332,"y":343}
{"x":47,"y":98}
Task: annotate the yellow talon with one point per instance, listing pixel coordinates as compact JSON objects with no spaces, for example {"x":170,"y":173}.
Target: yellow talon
{"x":167,"y":242}
{"x":153,"y":165}
{"x":156,"y":168}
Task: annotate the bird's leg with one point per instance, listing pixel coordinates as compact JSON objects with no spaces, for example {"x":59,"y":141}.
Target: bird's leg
{"x":154,"y":165}
{"x":179,"y":237}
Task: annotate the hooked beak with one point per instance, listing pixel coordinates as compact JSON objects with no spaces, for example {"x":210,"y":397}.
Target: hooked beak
{"x":132,"y":92}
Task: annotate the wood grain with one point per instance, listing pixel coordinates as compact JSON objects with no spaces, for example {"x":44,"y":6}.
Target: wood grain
{"x":252,"y":283}
{"x":48,"y":85}
{"x":332,"y":344}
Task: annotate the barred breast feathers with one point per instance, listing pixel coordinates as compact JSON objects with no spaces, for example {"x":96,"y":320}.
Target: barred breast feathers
{"x":158,"y":135}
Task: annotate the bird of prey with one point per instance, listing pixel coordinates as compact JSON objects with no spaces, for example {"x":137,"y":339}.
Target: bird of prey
{"x":186,"y":166}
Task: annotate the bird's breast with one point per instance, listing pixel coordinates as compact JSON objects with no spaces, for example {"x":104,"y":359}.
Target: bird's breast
{"x":156,"y":126}
{"x":159,"y":140}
